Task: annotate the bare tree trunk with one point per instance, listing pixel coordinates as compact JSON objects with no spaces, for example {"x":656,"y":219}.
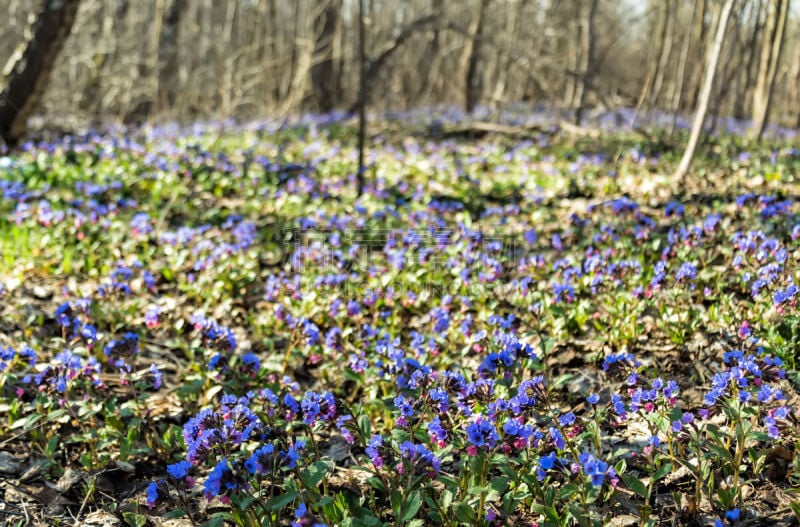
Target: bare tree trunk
{"x":770,"y":56}
{"x":374,"y":66}
{"x":432,"y":59}
{"x":745,"y":93}
{"x":274,"y":24}
{"x":294,"y":65}
{"x":677,"y":94}
{"x":28,"y":70}
{"x":728,"y":70}
{"x":700,"y":31}
{"x":665,"y":52}
{"x":168,"y":55}
{"x":323,"y":71}
{"x":472,"y":80}
{"x":505,"y":58}
{"x":652,"y":71}
{"x":574,"y":52}
{"x":705,"y":92}
{"x":90,"y":98}
{"x":587,"y":63}
{"x":362,"y":96}
{"x":794,"y":90}
{"x":147,"y":70}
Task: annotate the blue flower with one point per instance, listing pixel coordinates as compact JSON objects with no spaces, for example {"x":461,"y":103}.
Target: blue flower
{"x":152,"y":494}
{"x":595,"y":469}
{"x":251,"y":362}
{"x":567,"y":419}
{"x":157,"y":376}
{"x":558,"y":439}
{"x":260,"y":461}
{"x":373,"y":450}
{"x":548,"y":462}
{"x":219,"y":480}
{"x":482,"y":433}
{"x":436,"y":431}
{"x":179,"y":470}
{"x":318,"y":407}
{"x":420,"y":457}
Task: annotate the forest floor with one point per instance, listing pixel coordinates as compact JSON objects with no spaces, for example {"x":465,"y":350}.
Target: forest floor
{"x":539,"y":327}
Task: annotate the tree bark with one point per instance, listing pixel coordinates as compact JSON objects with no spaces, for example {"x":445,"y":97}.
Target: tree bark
{"x":705,"y":92}
{"x":700,"y":30}
{"x":665,"y":52}
{"x":168,"y":55}
{"x":323,"y":71}
{"x":587,"y":62}
{"x":504,"y":57}
{"x":472,"y":79}
{"x":373,"y":66}
{"x":677,"y":94}
{"x":30,"y":68}
{"x":432,"y":63}
{"x":362,"y":96}
{"x":772,"y":44}
{"x":745,"y":93}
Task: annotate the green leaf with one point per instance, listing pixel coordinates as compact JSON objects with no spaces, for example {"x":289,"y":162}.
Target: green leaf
{"x":174,"y":514}
{"x":134,"y":520}
{"x":411,"y":506}
{"x":499,"y":484}
{"x":567,"y":491}
{"x":447,"y":499}
{"x":377,"y":484}
{"x":281,"y":501}
{"x":52,"y":446}
{"x":464,"y":512}
{"x":635,"y":485}
{"x":665,"y":469}
{"x":365,"y":426}
{"x":795,"y":506}
{"x":722,"y":452}
{"x":218,"y":520}
{"x":316,"y":472}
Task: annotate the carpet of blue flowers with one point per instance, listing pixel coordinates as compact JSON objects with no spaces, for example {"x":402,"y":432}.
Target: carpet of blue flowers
{"x":207,"y":325}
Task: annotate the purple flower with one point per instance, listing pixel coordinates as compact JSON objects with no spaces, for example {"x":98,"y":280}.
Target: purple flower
{"x":213,"y":485}
{"x":260,"y":461}
{"x":157,"y":376}
{"x":318,"y":407}
{"x":436,"y":431}
{"x":420,"y":457}
{"x":482,"y":433}
{"x":558,"y":439}
{"x":373,"y":450}
{"x":566,"y":419}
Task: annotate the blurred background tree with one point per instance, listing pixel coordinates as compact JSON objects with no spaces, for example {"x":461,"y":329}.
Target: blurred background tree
{"x":135,"y":60}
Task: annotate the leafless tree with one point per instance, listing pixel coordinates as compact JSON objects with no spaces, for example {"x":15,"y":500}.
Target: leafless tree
{"x":472,"y":52}
{"x":28,"y":70}
{"x":705,"y":92}
{"x":772,"y":44}
{"x":176,"y":59}
{"x":323,"y":73}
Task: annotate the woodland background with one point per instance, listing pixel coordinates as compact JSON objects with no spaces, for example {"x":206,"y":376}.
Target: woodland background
{"x":135,"y":60}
